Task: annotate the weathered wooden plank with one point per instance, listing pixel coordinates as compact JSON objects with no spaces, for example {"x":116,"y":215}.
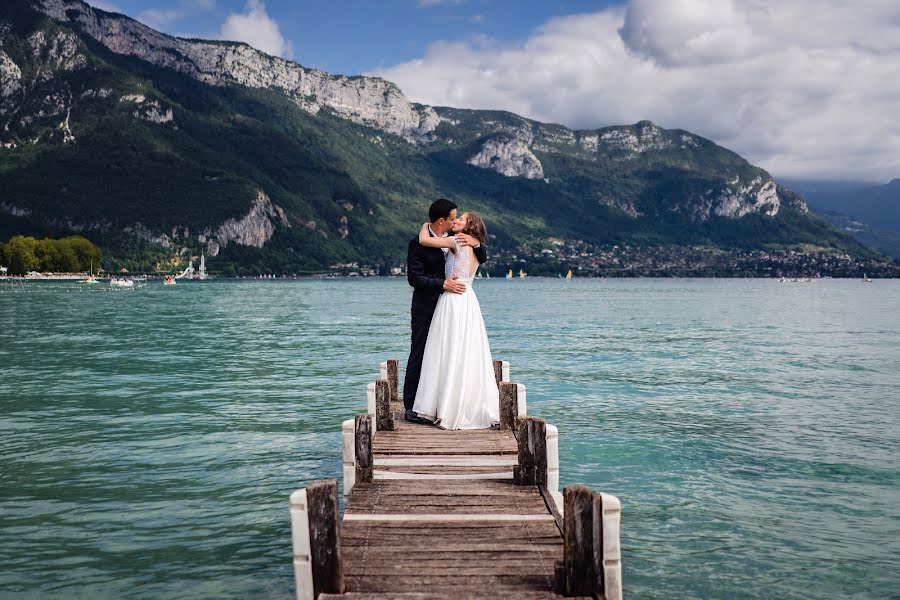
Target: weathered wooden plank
{"x":448,"y":469}
{"x":500,"y":584}
{"x":442,"y":595}
{"x":324,"y":537}
{"x":431,"y":476}
{"x":364,"y":459}
{"x":444,"y":517}
{"x":443,"y":461}
{"x":506,"y":503}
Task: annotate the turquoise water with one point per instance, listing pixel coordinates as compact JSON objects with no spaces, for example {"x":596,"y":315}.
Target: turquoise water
{"x":150,"y":439}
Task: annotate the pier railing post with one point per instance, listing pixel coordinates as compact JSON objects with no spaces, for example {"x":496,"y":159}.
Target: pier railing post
{"x":316,"y":540}
{"x":592,"y":563}
{"x":501,"y":371}
{"x":384,"y":418}
{"x":348,"y":439}
{"x":532,"y":467}
{"x":390,"y":371}
{"x":371,"y":404}
{"x":512,"y":404}
{"x":364,"y":434}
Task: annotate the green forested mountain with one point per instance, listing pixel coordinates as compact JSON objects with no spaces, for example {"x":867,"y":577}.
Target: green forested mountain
{"x":157,"y":147}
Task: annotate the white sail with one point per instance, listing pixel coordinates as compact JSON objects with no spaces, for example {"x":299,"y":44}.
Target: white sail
{"x":187,"y":273}
{"x":202,"y":273}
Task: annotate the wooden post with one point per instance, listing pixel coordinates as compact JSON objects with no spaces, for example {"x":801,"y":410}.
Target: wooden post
{"x":370,"y":399}
{"x":348,"y":439}
{"x":316,"y":540}
{"x":592,"y":564}
{"x":512,"y":404}
{"x":578,"y":541}
{"x":607,"y":511}
{"x":552,"y":458}
{"x":303,"y":581}
{"x":364,"y":432}
{"x":532,"y":467}
{"x":393,"y":379}
{"x":501,"y":371}
{"x":384,"y":418}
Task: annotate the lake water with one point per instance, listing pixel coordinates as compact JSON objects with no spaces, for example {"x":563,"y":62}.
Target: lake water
{"x":751,"y":429}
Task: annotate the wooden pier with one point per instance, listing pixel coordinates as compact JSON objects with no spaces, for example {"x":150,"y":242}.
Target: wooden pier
{"x":453,"y":514}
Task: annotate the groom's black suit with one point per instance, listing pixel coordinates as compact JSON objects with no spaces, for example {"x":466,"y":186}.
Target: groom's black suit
{"x":425,"y":273}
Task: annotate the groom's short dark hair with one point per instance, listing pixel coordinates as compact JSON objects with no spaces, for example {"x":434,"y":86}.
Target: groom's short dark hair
{"x":440,"y":209}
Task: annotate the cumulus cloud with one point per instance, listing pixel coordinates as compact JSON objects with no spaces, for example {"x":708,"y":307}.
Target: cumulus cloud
{"x":255,"y":27}
{"x":802,"y":89}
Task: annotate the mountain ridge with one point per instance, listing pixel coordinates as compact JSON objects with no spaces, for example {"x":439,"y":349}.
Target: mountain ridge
{"x":309,"y":168}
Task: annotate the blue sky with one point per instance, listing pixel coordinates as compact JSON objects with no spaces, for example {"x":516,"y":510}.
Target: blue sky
{"x":356,"y":36}
{"x":802,"y":88}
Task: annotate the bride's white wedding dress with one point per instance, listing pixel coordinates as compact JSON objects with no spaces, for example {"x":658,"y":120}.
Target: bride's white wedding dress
{"x":457,"y":389}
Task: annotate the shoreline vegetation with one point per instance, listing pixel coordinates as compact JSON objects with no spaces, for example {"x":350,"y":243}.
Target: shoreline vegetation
{"x":73,"y":256}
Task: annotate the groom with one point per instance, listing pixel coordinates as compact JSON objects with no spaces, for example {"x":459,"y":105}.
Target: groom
{"x":425,"y":273}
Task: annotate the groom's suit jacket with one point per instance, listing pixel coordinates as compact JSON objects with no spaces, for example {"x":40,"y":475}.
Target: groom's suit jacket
{"x":425,"y":273}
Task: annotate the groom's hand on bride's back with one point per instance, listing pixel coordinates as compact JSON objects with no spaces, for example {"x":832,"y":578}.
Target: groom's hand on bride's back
{"x":453,"y":286}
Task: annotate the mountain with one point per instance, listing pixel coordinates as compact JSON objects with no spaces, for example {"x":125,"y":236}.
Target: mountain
{"x":160,"y":147}
{"x":870,"y":213}
{"x":877,"y":205}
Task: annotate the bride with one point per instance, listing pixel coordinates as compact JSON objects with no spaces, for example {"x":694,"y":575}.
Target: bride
{"x":457,"y":389}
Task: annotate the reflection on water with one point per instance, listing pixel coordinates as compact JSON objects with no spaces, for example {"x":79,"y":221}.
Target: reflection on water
{"x":150,"y":440}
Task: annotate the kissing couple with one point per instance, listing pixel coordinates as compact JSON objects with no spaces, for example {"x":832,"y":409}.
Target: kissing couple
{"x":450,"y":374}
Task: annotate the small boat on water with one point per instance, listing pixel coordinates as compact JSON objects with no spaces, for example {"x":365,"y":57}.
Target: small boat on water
{"x":121,"y":282}
{"x":168,"y":280}
{"x":522,"y":274}
{"x":569,"y":274}
{"x":509,"y":275}
{"x":90,"y":278}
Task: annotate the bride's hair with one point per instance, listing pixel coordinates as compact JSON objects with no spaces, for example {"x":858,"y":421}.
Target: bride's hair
{"x":475,"y":227}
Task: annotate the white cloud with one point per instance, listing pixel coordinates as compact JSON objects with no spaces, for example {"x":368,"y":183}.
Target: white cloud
{"x":802,"y":89}
{"x":257,"y":28}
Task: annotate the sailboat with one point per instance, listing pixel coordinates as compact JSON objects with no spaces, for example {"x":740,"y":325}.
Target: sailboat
{"x":202,"y":273}
{"x":569,"y":274}
{"x":187,"y":273}
{"x":487,"y":275}
{"x":866,"y":279}
{"x":509,"y":275}
{"x":521,"y":274}
{"x":90,"y":278}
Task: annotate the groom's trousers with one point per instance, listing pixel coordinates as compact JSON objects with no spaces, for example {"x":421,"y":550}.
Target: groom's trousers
{"x":421,"y":323}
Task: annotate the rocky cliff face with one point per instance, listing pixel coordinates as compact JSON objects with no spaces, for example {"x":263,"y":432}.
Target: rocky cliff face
{"x":735,"y":200}
{"x":369,"y":101}
{"x":253,"y":229}
{"x":510,"y":157}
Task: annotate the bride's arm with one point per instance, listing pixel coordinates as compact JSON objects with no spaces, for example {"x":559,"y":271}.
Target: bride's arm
{"x":426,"y":239}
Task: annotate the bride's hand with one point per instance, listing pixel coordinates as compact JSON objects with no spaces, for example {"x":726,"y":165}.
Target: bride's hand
{"x":465,"y":239}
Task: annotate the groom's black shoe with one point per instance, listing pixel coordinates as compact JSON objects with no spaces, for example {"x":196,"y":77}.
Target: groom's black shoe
{"x":412,"y":417}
